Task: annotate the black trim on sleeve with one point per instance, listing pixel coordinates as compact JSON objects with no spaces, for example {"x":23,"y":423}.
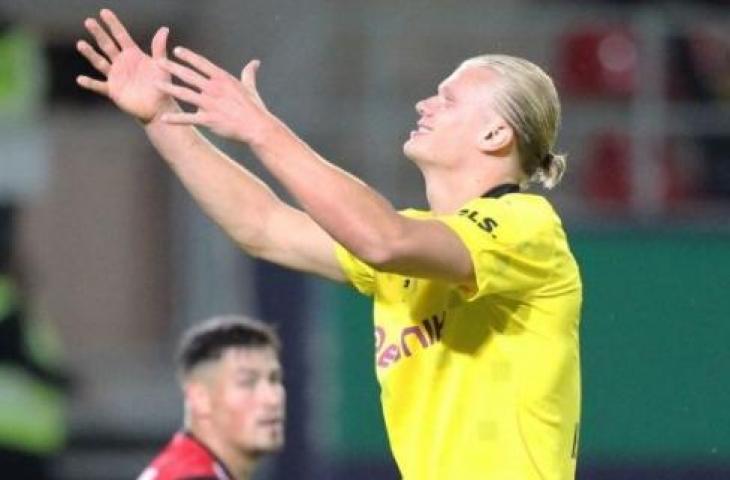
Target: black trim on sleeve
{"x":502,"y":189}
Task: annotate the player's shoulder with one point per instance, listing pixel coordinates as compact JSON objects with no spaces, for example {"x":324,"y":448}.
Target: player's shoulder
{"x":183,"y":458}
{"x":513,"y":203}
{"x":522,"y":212}
{"x":152,"y":473}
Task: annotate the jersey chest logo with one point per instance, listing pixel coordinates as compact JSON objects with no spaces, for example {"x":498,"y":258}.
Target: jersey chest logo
{"x":391,"y":349}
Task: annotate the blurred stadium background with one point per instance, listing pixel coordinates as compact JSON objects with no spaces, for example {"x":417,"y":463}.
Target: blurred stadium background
{"x":123,"y":260}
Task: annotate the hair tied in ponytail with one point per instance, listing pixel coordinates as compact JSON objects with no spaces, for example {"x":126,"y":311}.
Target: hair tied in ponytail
{"x":547,"y":160}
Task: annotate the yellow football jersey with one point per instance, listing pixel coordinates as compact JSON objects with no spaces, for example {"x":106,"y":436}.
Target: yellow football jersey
{"x":483,"y":384}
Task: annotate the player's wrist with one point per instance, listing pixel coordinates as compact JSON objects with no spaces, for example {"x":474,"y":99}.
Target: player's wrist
{"x":168,"y":105}
{"x":266,"y":129}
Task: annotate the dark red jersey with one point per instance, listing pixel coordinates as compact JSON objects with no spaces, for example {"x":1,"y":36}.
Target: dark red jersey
{"x":185,"y":458}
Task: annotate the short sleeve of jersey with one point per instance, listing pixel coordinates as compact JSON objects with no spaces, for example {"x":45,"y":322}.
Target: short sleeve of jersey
{"x":360,"y":274}
{"x":510,"y":243}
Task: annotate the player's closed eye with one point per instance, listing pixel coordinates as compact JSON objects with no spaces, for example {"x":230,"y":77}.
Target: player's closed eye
{"x":248,"y":381}
{"x":276,"y":377}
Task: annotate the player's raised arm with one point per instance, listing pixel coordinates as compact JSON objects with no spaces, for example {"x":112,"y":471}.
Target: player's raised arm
{"x":234,"y":198}
{"x":350,"y":211}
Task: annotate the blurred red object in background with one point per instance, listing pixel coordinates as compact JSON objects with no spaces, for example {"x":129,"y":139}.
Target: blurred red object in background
{"x":608,"y":174}
{"x":598,"y":61}
{"x":607,"y":178}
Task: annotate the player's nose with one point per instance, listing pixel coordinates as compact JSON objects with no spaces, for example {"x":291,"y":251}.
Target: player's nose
{"x":274,"y":393}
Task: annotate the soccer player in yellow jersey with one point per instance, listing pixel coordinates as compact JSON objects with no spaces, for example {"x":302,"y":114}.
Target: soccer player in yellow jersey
{"x":476,"y":300}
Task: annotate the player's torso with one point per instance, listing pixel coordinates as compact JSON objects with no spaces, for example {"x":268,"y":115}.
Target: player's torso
{"x":467,"y":387}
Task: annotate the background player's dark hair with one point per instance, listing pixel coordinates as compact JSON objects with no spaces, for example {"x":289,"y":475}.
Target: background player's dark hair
{"x":210,"y":338}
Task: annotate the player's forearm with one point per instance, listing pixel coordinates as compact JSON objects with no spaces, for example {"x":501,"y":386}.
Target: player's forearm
{"x":350,"y":211}
{"x":233,"y":197}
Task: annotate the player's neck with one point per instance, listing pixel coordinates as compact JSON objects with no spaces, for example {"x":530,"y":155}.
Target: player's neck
{"x":238,"y":464}
{"x":449,"y":190}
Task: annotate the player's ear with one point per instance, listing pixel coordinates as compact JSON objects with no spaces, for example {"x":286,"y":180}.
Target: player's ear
{"x":198,"y":398}
{"x":495,"y":136}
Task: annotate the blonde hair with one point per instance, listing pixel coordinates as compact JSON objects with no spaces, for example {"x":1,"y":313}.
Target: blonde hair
{"x":528,"y":101}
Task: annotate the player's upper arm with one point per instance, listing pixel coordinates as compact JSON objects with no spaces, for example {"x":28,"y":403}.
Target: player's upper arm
{"x":486,"y":247}
{"x":292,"y":239}
{"x":426,"y":248}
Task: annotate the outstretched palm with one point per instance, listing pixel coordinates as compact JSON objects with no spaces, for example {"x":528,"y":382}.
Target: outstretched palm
{"x":131,"y":75}
{"x":132,"y":78}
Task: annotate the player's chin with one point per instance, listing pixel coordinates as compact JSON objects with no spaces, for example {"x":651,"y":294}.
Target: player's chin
{"x":411,"y":149}
{"x":277,"y":445}
{"x":272,"y":438}
{"x":270,"y":445}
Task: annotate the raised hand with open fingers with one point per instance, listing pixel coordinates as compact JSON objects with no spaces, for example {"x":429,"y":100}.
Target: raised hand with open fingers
{"x":130,"y":75}
{"x":229,"y":107}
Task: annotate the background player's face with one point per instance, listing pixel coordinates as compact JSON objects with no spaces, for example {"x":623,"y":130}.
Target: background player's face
{"x":248,"y":400}
{"x":453,"y":121}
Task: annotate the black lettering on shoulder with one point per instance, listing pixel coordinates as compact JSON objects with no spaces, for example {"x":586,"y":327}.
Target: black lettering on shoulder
{"x":486,"y":223}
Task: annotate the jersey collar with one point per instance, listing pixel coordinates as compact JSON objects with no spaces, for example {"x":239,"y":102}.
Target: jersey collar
{"x":502,"y":189}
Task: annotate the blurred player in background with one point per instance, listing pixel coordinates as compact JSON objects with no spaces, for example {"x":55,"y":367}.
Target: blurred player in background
{"x":231,"y":379}
{"x":476,"y":300}
{"x":34,"y":383}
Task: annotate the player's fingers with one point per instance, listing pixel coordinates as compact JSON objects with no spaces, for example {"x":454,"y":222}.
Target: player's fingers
{"x":97,"y":60}
{"x":181,"y":93}
{"x":120,"y":34}
{"x":159,"y":43}
{"x":187,"y":75}
{"x":103,"y":40}
{"x":183,"y":118}
{"x":94,"y":85}
{"x":197,"y":61}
